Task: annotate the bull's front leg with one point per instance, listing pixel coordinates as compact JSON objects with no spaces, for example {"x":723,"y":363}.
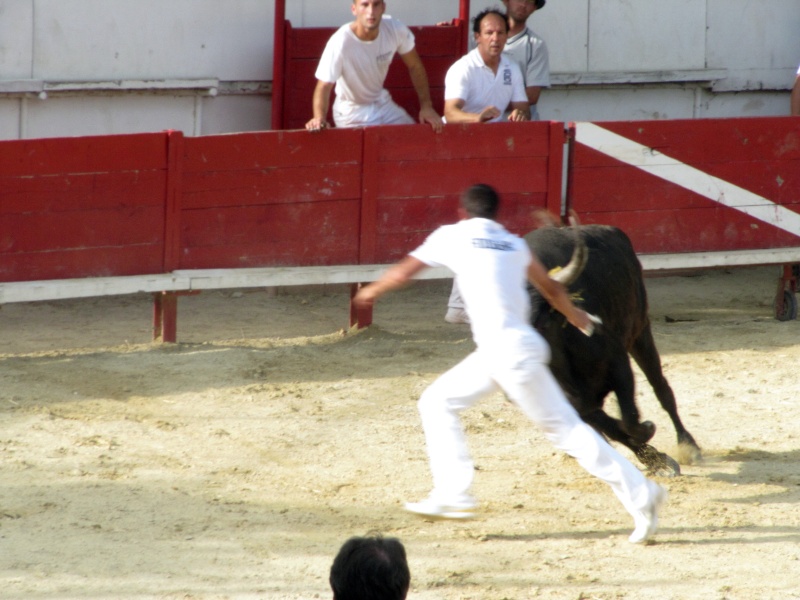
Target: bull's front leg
{"x":622,"y":382}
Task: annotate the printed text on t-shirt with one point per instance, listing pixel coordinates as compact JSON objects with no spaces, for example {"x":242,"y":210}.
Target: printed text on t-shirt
{"x":491,"y":244}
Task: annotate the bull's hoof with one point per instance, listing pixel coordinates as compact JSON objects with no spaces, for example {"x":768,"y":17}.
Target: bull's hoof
{"x":689,"y":454}
{"x":641,"y":432}
{"x":658,"y":463}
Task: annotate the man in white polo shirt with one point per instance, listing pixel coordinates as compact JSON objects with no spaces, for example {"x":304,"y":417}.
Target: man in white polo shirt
{"x":484,"y":86}
{"x":492,"y":266}
{"x":356,"y":60}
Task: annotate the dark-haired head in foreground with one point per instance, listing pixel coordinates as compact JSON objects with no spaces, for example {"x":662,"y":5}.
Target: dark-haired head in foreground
{"x":370,"y":568}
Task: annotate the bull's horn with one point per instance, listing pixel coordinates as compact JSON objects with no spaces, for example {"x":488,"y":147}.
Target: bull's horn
{"x":574,"y":268}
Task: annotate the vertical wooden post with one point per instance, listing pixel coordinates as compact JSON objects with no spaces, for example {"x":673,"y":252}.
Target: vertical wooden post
{"x":463,"y":15}
{"x":555,"y":167}
{"x":165,"y":304}
{"x":278,"y":64}
{"x":359,"y":317}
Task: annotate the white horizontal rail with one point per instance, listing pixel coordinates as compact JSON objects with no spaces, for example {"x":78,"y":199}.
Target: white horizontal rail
{"x":214,"y":279}
{"x":197,"y":279}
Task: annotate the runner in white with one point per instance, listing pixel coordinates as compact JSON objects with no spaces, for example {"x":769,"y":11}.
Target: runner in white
{"x":491,"y":266}
{"x":356,"y":60}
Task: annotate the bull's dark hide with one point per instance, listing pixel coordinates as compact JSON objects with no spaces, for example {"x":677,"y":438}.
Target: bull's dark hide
{"x":611,"y":286}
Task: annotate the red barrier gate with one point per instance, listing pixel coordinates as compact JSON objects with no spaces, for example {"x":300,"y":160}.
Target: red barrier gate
{"x":691,"y":186}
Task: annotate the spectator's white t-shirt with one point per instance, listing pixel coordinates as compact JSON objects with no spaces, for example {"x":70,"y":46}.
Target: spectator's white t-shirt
{"x":359,"y":68}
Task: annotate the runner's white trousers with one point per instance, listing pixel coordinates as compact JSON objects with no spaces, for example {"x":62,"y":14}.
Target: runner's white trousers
{"x":528,"y":382}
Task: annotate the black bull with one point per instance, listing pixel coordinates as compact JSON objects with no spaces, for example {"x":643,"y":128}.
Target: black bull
{"x":611,"y":286}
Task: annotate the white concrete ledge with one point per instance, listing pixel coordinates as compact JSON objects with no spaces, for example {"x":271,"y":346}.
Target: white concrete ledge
{"x":215,"y":279}
{"x":708,"y":260}
{"x":193,"y":280}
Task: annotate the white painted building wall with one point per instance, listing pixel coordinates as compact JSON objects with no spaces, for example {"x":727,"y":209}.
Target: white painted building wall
{"x":85,"y":67}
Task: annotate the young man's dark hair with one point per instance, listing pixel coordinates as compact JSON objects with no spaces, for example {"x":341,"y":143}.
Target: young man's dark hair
{"x":370,"y":568}
{"x":476,"y":21}
{"x":481,"y":200}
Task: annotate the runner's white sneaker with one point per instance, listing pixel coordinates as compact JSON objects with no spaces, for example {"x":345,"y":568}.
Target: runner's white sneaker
{"x":647,"y":520}
{"x":457,"y":316}
{"x":430,"y":508}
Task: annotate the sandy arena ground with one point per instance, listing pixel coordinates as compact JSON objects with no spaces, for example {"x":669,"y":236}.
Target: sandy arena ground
{"x":234,"y":464}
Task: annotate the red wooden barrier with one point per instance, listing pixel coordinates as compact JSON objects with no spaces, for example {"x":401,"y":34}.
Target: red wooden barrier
{"x":82,"y":207}
{"x":691,"y":186}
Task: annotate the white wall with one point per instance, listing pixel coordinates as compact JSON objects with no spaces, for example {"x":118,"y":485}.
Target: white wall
{"x":141,"y":59}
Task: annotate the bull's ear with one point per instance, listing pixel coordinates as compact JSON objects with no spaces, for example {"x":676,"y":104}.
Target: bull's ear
{"x":544,"y":218}
{"x":573,"y":218}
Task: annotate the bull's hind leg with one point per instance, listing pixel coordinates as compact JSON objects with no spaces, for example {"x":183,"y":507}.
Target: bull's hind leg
{"x":646,"y":355}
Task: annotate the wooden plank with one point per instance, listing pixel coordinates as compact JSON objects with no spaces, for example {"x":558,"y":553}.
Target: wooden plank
{"x":270,"y":149}
{"x":209,"y":279}
{"x":75,"y":192}
{"x":90,"y":287}
{"x":692,"y":230}
{"x":709,"y":260}
{"x":497,"y":140}
{"x":89,"y":154}
{"x":81,"y":262}
{"x":273,"y":185}
{"x":283,"y":234}
{"x":437,"y":177}
{"x":749,"y":139}
{"x":48,"y":232}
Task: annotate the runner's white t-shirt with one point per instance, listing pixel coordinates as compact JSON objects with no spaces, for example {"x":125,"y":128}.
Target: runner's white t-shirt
{"x":491,"y":266}
{"x":470,"y":80}
{"x":359,"y":68}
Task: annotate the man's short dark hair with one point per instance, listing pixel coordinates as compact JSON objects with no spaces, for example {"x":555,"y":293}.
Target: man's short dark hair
{"x":476,"y":22}
{"x":481,"y":200}
{"x":367,"y":568}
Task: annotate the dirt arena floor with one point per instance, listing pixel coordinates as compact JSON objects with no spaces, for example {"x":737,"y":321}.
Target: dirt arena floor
{"x":234,"y":464}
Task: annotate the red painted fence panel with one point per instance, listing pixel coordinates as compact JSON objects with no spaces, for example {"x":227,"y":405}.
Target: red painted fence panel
{"x":691,"y":186}
{"x":271,"y":199}
{"x":82,"y":207}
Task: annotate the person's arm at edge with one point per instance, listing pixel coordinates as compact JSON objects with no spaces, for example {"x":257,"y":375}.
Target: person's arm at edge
{"x":419,"y":78}
{"x":795,"y":103}
{"x":454,"y":113}
{"x":320,"y":103}
{"x":533,"y":92}
{"x":556,"y":294}
{"x":394,"y":278}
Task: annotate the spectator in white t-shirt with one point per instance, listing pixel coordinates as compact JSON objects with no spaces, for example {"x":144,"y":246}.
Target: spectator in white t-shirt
{"x":356,"y":61}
